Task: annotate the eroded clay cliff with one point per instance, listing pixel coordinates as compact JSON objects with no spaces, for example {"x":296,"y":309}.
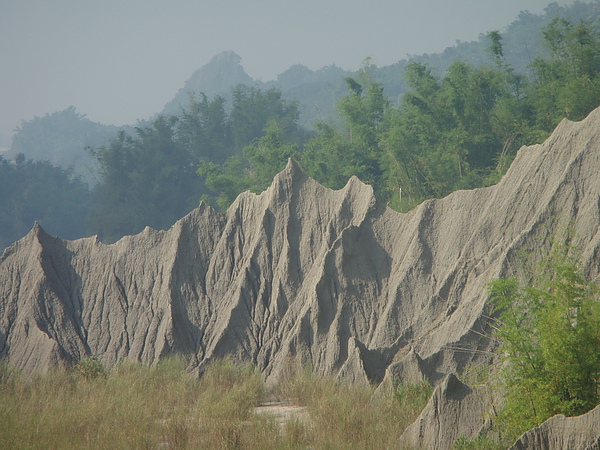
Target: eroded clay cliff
{"x":302,"y":274}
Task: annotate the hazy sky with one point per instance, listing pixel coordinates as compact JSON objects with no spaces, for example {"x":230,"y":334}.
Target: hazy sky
{"x":121,"y":60}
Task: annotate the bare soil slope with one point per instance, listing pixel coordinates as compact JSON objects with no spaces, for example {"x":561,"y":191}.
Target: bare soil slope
{"x":302,"y":274}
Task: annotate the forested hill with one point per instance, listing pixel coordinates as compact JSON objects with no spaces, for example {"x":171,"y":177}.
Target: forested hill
{"x":318,"y":91}
{"x":60,"y":137}
{"x":452,"y":129}
{"x":315,"y":91}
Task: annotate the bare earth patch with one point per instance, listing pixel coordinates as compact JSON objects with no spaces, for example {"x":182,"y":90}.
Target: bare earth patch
{"x":282,"y":412}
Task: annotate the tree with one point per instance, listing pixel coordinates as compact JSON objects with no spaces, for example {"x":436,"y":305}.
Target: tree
{"x":265,"y":133}
{"x":38,"y":191}
{"x":261,"y":161}
{"x":324,"y":157}
{"x":567,"y":84}
{"x":268,"y":156}
{"x":495,"y":48}
{"x":253,"y":109}
{"x":449,"y":133}
{"x":334,"y":155}
{"x":147,"y":180}
{"x":363,"y":110}
{"x":203,"y":129}
{"x":550,"y":332}
{"x":226,"y":180}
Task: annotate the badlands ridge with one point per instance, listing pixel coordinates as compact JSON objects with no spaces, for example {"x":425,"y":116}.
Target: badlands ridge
{"x":304,"y":275}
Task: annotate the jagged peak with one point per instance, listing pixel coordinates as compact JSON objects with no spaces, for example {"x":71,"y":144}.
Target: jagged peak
{"x":38,"y":237}
{"x":292,"y":165}
{"x":355,"y":183}
{"x":292,"y":171}
{"x":282,"y":186}
{"x":37,"y":231}
{"x":406,"y":270}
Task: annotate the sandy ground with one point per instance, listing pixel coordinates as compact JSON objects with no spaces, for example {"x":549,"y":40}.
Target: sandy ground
{"x":282,"y":412}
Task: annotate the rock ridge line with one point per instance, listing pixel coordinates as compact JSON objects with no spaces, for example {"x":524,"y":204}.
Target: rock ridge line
{"x":304,"y":275}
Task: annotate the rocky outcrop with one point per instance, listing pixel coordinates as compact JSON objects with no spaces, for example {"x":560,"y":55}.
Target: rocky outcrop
{"x":560,"y":432}
{"x":302,"y":274}
{"x":455,"y":410}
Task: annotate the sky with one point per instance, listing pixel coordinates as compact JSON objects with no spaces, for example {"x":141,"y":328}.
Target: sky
{"x":118,"y":61}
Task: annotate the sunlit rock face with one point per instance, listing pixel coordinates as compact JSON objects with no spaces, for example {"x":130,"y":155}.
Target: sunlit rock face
{"x":564,"y":432}
{"x":304,"y":275}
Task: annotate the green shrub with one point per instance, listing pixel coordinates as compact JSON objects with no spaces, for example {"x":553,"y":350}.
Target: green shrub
{"x":90,"y":368}
{"x":414,"y":395}
{"x":550,"y":331}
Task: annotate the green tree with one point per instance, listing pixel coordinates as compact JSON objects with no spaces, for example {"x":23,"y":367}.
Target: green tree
{"x":254,"y":171}
{"x":495,"y":48}
{"x":226,"y":181}
{"x":204,"y":131}
{"x":449,"y":132}
{"x":265,"y":133}
{"x":38,"y":191}
{"x":268,"y":156}
{"x":363,"y":110}
{"x":324,"y":157}
{"x":414,"y":130}
{"x":147,"y":180}
{"x":567,"y":84}
{"x":253,"y":109}
{"x":334,"y":155}
{"x":550,"y":332}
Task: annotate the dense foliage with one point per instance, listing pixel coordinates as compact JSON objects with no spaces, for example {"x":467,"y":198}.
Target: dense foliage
{"x":38,"y":191}
{"x":150,"y":179}
{"x":458,"y":130}
{"x":550,"y":332}
{"x":147,"y":180}
{"x":60,"y":138}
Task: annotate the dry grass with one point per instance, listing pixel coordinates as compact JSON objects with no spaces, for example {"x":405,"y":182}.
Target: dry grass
{"x":161,"y":406}
{"x":349,"y":416}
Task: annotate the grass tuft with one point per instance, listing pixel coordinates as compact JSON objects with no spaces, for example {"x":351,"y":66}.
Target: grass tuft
{"x":140,"y":406}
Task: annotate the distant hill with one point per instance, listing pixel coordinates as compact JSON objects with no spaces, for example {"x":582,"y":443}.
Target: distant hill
{"x":60,"y":137}
{"x":522,"y":39}
{"x":317,"y":92}
{"x":282,"y":278}
{"x":218,"y":77}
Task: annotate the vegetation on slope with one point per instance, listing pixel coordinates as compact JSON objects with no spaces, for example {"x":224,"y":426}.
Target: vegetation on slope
{"x":39,"y":191}
{"x":136,"y":406}
{"x":550,"y":333}
{"x":458,"y":130}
